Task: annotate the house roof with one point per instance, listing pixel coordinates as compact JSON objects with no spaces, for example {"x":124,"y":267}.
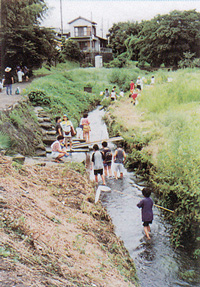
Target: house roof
{"x":83,"y":19}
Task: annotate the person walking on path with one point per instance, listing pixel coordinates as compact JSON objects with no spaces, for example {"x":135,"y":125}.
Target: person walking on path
{"x":68,"y":130}
{"x":147,"y":213}
{"x":8,"y":80}
{"x":97,"y":163}
{"x":20,"y":74}
{"x":57,"y":151}
{"x":119,"y":160}
{"x":86,"y":127}
{"x":107,"y":159}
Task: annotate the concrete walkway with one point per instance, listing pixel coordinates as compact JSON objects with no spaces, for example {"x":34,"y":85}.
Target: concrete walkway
{"x":8,"y":101}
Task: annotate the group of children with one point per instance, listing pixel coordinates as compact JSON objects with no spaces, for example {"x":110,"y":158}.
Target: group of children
{"x":113,"y":95}
{"x":65,"y":131}
{"x":102,"y":161}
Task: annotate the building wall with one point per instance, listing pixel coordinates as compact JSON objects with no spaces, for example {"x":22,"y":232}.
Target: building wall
{"x":81,"y":23}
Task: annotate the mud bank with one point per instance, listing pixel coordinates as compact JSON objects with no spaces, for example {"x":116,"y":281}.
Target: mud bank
{"x":52,"y":233}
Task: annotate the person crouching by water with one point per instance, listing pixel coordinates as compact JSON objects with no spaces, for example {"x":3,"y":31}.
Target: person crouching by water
{"x":67,"y":128}
{"x":57,"y":151}
{"x":147,"y":213}
{"x":119,"y":160}
{"x":97,"y":163}
{"x":86,"y":127}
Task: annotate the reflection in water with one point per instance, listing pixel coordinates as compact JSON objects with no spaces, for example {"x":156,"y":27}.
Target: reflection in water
{"x":158,"y":265}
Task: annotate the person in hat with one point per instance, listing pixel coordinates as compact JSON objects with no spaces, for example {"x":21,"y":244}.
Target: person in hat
{"x":8,"y":80}
{"x":68,"y":130}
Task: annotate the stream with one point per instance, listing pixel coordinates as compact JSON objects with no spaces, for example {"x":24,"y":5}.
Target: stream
{"x":157,"y":263}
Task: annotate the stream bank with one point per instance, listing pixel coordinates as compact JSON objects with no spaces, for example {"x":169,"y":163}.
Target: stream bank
{"x":158,"y":263}
{"x":52,"y":234}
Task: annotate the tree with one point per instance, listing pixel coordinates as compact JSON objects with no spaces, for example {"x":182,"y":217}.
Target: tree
{"x":71,"y":50}
{"x":25,"y":42}
{"x":119,"y":33}
{"x":165,"y":38}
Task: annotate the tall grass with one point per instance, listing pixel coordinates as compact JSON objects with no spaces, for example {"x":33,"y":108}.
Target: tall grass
{"x":174,"y":109}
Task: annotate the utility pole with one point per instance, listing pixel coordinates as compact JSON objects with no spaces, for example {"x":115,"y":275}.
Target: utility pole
{"x":61,"y":18}
{"x":1,"y":41}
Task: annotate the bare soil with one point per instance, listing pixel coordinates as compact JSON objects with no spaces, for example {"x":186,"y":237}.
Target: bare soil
{"x":52,"y":233}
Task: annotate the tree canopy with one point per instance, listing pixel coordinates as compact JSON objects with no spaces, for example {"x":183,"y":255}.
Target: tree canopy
{"x":24,"y":41}
{"x":119,"y":34}
{"x":162,"y":40}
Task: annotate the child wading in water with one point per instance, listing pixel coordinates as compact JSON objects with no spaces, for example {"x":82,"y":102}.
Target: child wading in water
{"x":97,"y":163}
{"x":147,"y":214}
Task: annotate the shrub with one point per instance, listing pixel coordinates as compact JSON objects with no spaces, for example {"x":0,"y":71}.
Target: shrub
{"x":39,"y":98}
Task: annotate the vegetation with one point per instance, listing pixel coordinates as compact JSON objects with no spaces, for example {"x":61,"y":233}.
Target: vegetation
{"x":24,"y":41}
{"x":71,"y":51}
{"x":163,"y":143}
{"x":161,"y":40}
{"x":52,"y":231}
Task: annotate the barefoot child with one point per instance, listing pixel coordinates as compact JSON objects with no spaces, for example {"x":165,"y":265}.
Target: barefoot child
{"x":147,"y":214}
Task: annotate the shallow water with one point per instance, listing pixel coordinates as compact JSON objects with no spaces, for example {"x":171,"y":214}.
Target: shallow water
{"x":157,"y":263}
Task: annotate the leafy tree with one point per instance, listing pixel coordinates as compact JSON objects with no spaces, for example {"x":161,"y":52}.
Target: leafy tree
{"x":24,"y":41}
{"x":165,"y":38}
{"x":119,"y":34}
{"x":71,"y":50}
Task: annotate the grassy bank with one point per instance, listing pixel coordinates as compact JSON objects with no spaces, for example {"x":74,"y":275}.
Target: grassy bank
{"x":59,"y":90}
{"x":162,"y":133}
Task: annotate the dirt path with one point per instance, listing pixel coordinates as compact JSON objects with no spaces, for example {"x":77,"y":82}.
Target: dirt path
{"x":8,"y":101}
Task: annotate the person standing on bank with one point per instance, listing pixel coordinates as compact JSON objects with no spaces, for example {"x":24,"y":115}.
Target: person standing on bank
{"x":58,"y":127}
{"x":119,"y":160}
{"x":97,"y":163}
{"x":68,"y":130}
{"x":147,"y":214}
{"x":8,"y":80}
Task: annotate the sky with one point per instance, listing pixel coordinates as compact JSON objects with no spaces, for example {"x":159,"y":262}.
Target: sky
{"x":107,"y":12}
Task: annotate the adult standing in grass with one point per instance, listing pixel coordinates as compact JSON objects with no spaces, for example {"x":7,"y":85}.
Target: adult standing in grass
{"x":147,"y":214}
{"x":8,"y":80}
{"x":68,"y":129}
{"x":119,"y":160}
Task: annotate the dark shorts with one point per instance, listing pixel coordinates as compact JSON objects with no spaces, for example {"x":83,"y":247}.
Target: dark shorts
{"x":107,"y":164}
{"x":146,"y":223}
{"x":98,"y":171}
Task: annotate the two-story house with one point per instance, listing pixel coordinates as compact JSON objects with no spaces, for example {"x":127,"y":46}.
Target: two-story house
{"x":84,"y":32}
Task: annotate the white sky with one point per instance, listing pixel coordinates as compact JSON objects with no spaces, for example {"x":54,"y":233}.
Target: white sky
{"x":111,"y":11}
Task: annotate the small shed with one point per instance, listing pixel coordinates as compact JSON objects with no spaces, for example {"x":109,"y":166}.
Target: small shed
{"x":98,"y":62}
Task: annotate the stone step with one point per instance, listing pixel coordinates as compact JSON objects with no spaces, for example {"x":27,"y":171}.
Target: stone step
{"x":44,"y":119}
{"x":46,"y":125}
